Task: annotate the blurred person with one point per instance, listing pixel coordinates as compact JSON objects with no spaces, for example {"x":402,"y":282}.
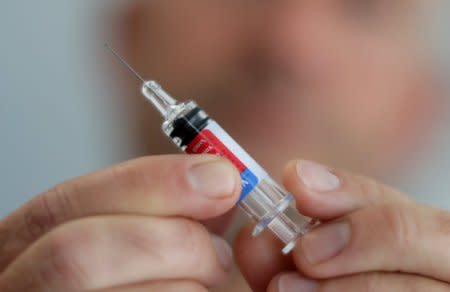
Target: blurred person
{"x":347,"y":83}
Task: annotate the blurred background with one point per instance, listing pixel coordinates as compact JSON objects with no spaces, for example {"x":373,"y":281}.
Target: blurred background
{"x":65,"y":103}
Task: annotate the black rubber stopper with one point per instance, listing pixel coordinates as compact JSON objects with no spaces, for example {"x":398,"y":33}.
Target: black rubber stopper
{"x":188,"y":126}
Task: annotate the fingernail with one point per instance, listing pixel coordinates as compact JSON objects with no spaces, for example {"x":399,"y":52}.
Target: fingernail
{"x":214,"y":179}
{"x":295,"y":283}
{"x":317,"y":177}
{"x":325,"y":242}
{"x":223,"y":251}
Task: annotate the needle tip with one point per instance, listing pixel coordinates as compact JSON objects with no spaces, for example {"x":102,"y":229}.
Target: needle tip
{"x":122,"y":60}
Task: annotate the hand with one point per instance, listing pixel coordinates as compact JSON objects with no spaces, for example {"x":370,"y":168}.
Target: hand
{"x":132,"y":227}
{"x":373,"y":238}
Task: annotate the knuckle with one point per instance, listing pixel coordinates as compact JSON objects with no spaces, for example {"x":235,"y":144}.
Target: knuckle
{"x":4,"y":236}
{"x":376,"y":192}
{"x":62,"y":199}
{"x":403,"y":227}
{"x":371,"y":187}
{"x":190,"y":239}
{"x":50,"y":209}
{"x":65,"y":262}
{"x":39,"y":217}
{"x":443,"y":221}
{"x":146,"y":240}
{"x":182,"y":238}
{"x":5,"y":255}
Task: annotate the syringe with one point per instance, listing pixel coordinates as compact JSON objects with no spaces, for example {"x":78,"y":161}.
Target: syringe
{"x":194,"y":132}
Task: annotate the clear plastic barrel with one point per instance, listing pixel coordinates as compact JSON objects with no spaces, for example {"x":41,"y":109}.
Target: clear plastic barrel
{"x":269,"y":205}
{"x":273,"y":208}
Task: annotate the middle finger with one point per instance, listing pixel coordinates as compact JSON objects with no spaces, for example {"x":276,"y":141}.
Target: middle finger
{"x":101,"y":252}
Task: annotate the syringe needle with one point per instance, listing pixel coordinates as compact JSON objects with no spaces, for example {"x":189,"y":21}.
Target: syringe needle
{"x":122,"y":60}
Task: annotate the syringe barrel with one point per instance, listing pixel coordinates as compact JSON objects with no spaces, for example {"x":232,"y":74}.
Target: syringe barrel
{"x":261,"y":197}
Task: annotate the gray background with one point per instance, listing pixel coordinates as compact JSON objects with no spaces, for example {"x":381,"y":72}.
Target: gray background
{"x":60,"y":119}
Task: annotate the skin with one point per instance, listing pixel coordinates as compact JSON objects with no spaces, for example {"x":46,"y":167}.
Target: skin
{"x":81,"y":235}
{"x":86,"y":235}
{"x":353,"y":80}
{"x":394,"y":242}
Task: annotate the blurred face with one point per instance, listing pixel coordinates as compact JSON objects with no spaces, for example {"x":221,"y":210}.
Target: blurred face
{"x":339,"y":81}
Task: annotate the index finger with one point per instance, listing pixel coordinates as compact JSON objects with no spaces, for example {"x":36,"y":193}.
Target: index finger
{"x":197,"y":186}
